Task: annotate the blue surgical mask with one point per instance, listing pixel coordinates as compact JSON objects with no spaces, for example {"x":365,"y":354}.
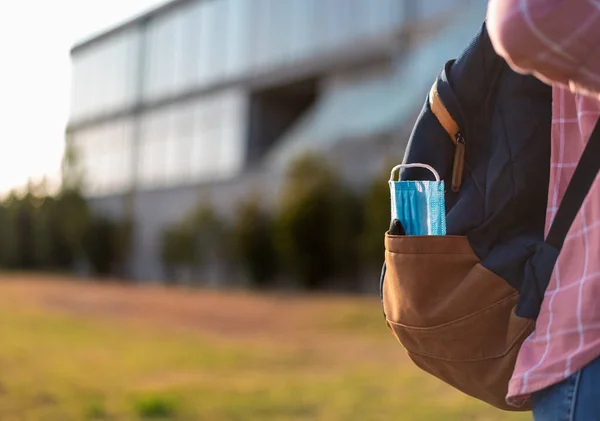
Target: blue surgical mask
{"x":419,"y":205}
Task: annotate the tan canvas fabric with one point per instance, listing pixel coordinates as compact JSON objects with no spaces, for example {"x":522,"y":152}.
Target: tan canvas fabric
{"x":454,"y":317}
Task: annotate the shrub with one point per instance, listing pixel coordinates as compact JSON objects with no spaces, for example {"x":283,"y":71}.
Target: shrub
{"x":41,"y":231}
{"x":317,"y":223}
{"x":155,"y":406}
{"x":197,"y":240}
{"x":105,"y":243}
{"x":10,"y":238}
{"x":95,"y":411}
{"x":376,"y":221}
{"x":253,"y":241}
{"x":99,"y":247}
{"x":209,"y":230}
{"x":178,"y":247}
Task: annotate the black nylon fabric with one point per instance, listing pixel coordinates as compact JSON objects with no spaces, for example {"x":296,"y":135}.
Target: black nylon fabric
{"x":505,"y":118}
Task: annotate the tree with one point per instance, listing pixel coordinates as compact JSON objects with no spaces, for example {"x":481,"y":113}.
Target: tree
{"x":254,"y":246}
{"x":318,"y":223}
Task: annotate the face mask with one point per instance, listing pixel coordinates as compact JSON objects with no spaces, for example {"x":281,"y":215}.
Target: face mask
{"x":419,"y":205}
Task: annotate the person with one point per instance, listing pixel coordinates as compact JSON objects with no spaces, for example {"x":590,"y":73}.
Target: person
{"x":558,"y":41}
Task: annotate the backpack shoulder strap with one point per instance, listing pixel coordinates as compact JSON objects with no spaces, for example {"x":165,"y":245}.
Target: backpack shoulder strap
{"x":577,"y":190}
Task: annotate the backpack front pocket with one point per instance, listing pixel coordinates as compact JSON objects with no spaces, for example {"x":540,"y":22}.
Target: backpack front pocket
{"x":454,"y":317}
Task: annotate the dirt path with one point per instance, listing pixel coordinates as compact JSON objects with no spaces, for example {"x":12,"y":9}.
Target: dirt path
{"x":226,"y":313}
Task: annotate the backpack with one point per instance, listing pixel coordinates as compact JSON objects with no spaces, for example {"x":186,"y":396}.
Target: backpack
{"x":462,"y":304}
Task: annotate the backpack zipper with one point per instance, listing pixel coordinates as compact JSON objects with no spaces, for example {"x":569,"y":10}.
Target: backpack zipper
{"x":439,"y":110}
{"x":459,"y":162}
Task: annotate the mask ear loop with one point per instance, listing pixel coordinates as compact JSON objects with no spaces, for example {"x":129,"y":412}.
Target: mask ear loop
{"x":427,"y":167}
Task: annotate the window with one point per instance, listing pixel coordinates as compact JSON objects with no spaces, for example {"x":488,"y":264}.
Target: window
{"x":207,"y":130}
{"x":104,"y":154}
{"x":218,"y":142}
{"x":195,"y":141}
{"x":174,"y":171}
{"x":383,"y":16}
{"x":301,"y":28}
{"x":187,"y":44}
{"x":231,"y":151}
{"x":327,"y":23}
{"x":178,"y":143}
{"x":104,"y":75}
{"x":212,"y":41}
{"x":238,"y":36}
{"x":167,"y":62}
{"x":261,"y":32}
{"x":151,"y":171}
{"x":373,"y":102}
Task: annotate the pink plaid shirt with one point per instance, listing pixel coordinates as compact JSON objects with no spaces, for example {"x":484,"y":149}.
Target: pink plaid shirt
{"x":559,"y":42}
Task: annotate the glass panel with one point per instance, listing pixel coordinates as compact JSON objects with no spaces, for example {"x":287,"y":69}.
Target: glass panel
{"x":197,"y":141}
{"x":103,"y":75}
{"x":331,"y":19}
{"x":165,"y":58}
{"x":176,"y":44}
{"x":278,"y":35}
{"x":198,"y":168}
{"x":428,"y":9}
{"x":349,"y":29}
{"x":81,"y":85}
{"x":104,"y":154}
{"x":211,"y":54}
{"x":383,"y":15}
{"x":232,"y":142}
{"x":220,"y":37}
{"x":187,"y":44}
{"x":124,"y":164}
{"x":152,"y":150}
{"x":301,"y":28}
{"x":372,"y":100}
{"x":261,"y":31}
{"x":232,"y":150}
{"x":151,"y":71}
{"x":239,"y":36}
{"x":211,"y":123}
{"x":77,"y":87}
{"x":183,"y":132}
{"x":217,"y":145}
{"x":172,"y":150}
{"x":178,"y":143}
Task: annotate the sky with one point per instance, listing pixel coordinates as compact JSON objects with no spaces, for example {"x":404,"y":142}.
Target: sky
{"x":35,"y":39}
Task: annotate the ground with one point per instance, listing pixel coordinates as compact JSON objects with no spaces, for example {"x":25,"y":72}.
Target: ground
{"x":73,"y":349}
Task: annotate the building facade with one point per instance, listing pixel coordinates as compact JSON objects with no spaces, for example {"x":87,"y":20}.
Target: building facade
{"x":213,"y":98}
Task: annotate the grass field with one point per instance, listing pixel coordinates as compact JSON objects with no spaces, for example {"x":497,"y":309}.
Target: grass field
{"x":74,"y":350}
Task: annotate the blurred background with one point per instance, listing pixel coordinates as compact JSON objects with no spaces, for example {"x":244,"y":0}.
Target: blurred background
{"x":193,"y":201}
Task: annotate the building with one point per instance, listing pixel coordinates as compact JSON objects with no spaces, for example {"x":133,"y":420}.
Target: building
{"x":212,"y":98}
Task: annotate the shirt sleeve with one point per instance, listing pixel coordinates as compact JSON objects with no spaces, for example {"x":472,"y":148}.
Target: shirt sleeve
{"x":556,"y":40}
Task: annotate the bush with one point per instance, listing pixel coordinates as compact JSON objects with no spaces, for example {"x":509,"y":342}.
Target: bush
{"x":199,"y":239}
{"x":10,"y":240}
{"x":41,"y":231}
{"x":156,"y":406}
{"x":8,"y":237}
{"x":98,"y":245}
{"x":317,"y":224}
{"x":376,"y":222}
{"x":178,"y":247}
{"x":210,"y":232}
{"x":105,"y":243}
{"x":95,"y":411}
{"x":254,"y":246}
{"x":52,"y":232}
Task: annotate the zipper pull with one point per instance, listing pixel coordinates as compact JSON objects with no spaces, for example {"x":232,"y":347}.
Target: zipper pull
{"x":459,"y":162}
